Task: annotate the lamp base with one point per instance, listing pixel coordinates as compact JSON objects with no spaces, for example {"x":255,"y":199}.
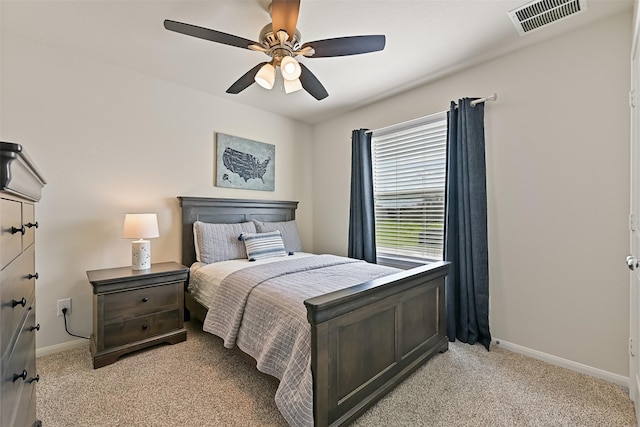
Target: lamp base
{"x":141,"y":255}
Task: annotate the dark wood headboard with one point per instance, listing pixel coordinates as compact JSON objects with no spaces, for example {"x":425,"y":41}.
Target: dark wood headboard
{"x":227,"y":211}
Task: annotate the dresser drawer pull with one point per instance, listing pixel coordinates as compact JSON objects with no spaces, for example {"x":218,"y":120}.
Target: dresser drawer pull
{"x":22,"y":302}
{"x":33,"y":276}
{"x":30,"y":224}
{"x":144,"y":327}
{"x":23,"y":375}
{"x":35,"y":328}
{"x":15,"y":230}
{"x":32,"y":379}
{"x":145,"y":299}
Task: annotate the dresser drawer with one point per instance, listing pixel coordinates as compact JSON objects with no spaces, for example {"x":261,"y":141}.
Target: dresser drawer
{"x":138,"y":329}
{"x":16,"y":285}
{"x":10,"y":242}
{"x":29,"y":222}
{"x":139,"y":302}
{"x":16,"y":395}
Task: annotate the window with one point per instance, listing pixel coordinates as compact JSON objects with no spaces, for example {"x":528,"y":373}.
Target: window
{"x":409,"y":174}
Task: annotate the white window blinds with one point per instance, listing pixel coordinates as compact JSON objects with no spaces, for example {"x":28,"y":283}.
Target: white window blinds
{"x":409,"y":172}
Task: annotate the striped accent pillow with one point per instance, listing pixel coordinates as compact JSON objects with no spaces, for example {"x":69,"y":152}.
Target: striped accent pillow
{"x":263,"y":245}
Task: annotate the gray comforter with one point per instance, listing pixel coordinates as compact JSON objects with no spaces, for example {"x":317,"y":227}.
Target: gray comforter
{"x":260,"y":309}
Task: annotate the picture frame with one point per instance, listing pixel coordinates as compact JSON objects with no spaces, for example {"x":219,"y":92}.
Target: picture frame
{"x":244,"y":163}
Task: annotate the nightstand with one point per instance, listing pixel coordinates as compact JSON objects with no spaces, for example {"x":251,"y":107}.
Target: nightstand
{"x":135,"y":309}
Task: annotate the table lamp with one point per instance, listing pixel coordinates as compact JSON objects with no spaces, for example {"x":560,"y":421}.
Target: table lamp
{"x":140,"y":226}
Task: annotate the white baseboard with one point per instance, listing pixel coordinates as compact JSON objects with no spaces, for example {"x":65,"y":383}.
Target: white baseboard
{"x":554,"y":360}
{"x":565,"y":363}
{"x":69,"y":345}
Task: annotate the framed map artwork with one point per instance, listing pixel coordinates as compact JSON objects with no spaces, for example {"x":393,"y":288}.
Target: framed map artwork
{"x":243,"y":163}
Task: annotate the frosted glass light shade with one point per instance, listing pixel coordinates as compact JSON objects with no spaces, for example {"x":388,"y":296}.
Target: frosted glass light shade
{"x":266,"y":76}
{"x":290,"y":68}
{"x":292,"y":85}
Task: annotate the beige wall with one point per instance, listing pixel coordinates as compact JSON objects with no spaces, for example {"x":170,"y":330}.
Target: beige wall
{"x":110,"y":141}
{"x":558,"y":188}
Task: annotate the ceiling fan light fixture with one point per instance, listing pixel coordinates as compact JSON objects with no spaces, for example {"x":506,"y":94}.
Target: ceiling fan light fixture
{"x":290,"y":68}
{"x":266,"y":76}
{"x":291,"y":86}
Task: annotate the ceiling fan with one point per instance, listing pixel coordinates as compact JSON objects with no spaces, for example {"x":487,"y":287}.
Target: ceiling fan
{"x":281,"y":41}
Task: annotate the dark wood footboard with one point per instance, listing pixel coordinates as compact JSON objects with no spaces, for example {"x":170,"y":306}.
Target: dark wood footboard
{"x":366,"y":339}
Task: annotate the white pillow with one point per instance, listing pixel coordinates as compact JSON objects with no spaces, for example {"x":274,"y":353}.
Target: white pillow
{"x":288,"y":230}
{"x":219,"y":242}
{"x":263,"y":245}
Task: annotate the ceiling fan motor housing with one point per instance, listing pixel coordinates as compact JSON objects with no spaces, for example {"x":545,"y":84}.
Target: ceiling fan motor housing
{"x":275,"y":48}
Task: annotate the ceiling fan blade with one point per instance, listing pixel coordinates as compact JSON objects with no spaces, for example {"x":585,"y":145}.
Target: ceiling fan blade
{"x":246,"y":80}
{"x":284,"y":16}
{"x":343,"y":46}
{"x":311,"y":84}
{"x":207,"y":34}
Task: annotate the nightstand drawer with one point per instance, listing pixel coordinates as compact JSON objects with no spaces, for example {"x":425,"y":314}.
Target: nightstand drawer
{"x":130,"y":331}
{"x":139,"y":302}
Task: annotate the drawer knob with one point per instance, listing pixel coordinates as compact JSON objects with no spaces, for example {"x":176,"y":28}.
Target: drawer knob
{"x":145,"y":299}
{"x":32,"y":379}
{"x":23,"y":375}
{"x":15,"y":230}
{"x":35,"y":328}
{"x":30,"y":224}
{"x":22,"y":302}
{"x":145,"y":327}
{"x":33,"y":276}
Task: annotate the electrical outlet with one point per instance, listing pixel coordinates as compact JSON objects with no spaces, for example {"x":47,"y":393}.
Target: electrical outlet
{"x":64,"y":303}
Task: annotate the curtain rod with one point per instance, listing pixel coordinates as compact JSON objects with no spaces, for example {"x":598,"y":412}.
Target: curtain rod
{"x":473,"y":104}
{"x":481,"y":100}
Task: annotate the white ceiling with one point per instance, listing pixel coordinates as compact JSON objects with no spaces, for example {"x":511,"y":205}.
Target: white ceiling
{"x":426,"y":39}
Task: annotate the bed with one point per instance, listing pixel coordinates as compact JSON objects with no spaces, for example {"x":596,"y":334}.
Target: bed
{"x":364,"y":339}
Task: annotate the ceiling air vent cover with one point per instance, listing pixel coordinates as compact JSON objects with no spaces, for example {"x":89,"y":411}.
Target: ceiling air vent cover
{"x":540,"y":13}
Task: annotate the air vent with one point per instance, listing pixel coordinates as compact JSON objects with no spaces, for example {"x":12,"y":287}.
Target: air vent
{"x":540,"y":13}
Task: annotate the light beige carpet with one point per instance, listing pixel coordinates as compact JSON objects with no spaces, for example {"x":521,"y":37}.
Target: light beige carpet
{"x":199,"y":383}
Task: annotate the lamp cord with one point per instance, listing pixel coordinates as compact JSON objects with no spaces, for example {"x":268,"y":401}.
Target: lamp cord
{"x":64,"y":314}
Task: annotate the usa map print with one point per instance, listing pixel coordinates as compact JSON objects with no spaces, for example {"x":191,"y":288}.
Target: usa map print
{"x":243,"y":163}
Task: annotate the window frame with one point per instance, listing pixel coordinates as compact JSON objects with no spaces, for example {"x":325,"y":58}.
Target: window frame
{"x":437,"y":121}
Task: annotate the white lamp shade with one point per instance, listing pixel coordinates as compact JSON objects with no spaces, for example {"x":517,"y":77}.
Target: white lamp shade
{"x":140,"y":226}
{"x":292,"y":85}
{"x":266,"y":76}
{"x":290,"y":68}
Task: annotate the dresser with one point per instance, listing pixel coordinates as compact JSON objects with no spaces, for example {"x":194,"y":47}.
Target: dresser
{"x":20,"y":188}
{"x":135,"y":309}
